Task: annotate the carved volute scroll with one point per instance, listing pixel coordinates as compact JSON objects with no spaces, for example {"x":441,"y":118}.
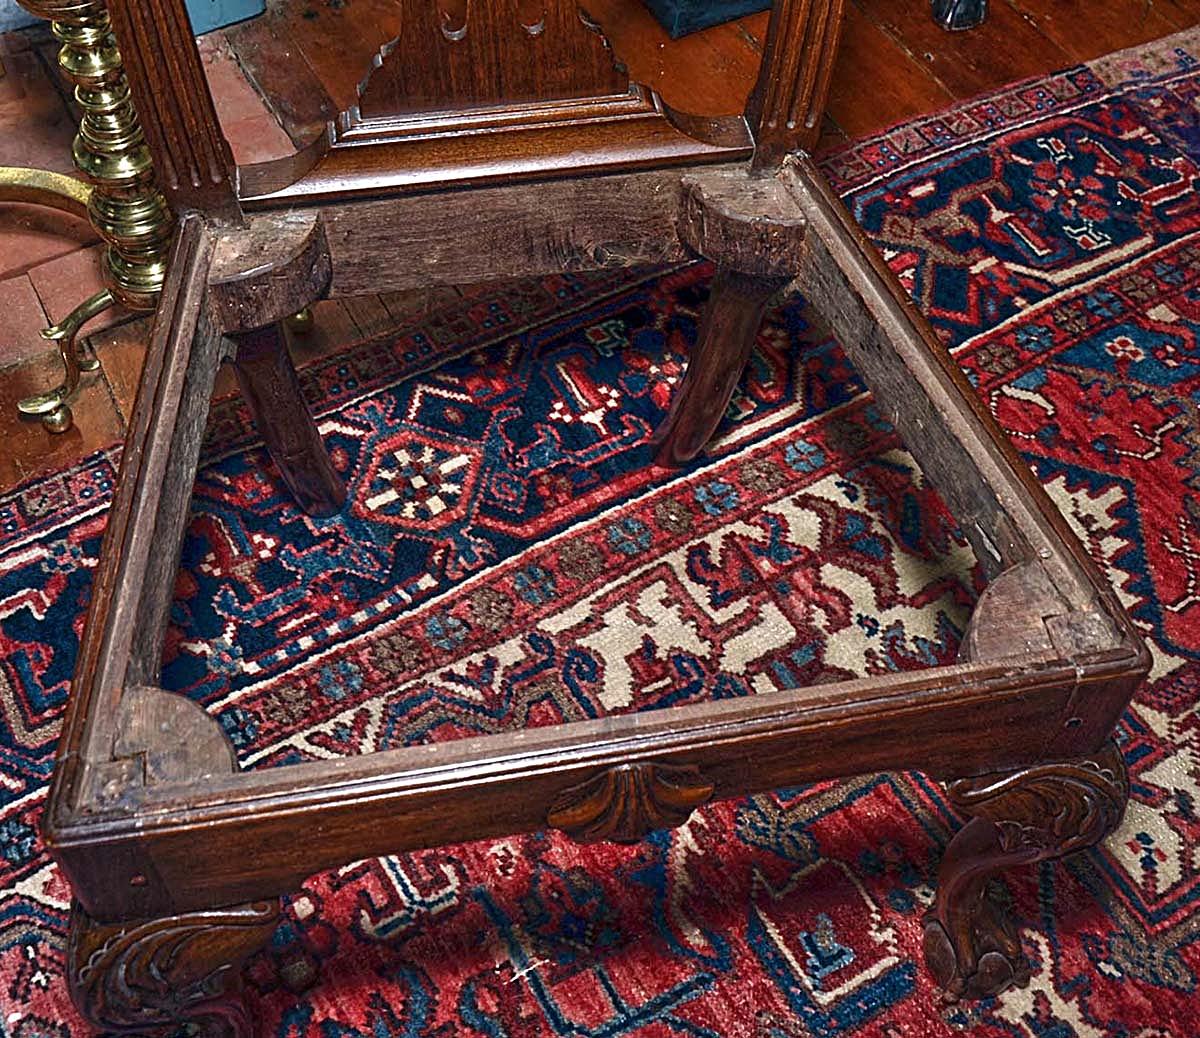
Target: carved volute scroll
{"x":1020,"y":817}
{"x":467,"y":54}
{"x":1056,"y":808}
{"x":151,"y":974}
{"x":627,"y":802}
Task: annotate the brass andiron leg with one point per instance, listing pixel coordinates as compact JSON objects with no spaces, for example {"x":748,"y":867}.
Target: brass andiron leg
{"x":42,"y":187}
{"x":120,"y":197}
{"x":69,"y":195}
{"x":300,"y":323}
{"x":52,"y":407}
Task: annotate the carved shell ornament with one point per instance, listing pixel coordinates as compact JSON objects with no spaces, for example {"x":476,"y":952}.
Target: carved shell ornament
{"x":628,"y":801}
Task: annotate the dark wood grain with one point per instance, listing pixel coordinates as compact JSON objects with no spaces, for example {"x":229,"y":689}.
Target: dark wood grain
{"x":478,"y":788}
{"x":788,"y":101}
{"x":267,"y":379}
{"x":627,"y":802}
{"x":192,"y":158}
{"x":138,"y":976}
{"x":339,"y":42}
{"x":452,"y":54}
{"x":898,"y":88}
{"x":1090,"y":30}
{"x":524,"y":171}
{"x":705,"y":73}
{"x":374,"y":158}
{"x":728,"y":328}
{"x":968,"y":63}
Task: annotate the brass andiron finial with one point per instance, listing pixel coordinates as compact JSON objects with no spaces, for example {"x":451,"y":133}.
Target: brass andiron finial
{"x":120,"y":195}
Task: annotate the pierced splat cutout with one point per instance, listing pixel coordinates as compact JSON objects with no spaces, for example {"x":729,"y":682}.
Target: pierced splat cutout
{"x":454,"y":14}
{"x":469,"y":54}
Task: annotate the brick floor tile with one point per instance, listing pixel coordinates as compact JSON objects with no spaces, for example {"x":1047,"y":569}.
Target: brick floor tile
{"x":36,"y":129}
{"x":251,"y":129}
{"x":21,"y":322}
{"x":257,"y":139}
{"x":64,"y":283}
{"x":31,"y":235}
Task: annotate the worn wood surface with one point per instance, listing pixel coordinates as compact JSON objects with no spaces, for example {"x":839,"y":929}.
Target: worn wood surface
{"x":267,"y":379}
{"x":267,"y":269}
{"x":479,"y":788}
{"x":457,"y":238}
{"x":750,"y":223}
{"x":172,"y":738}
{"x":146,"y":816}
{"x":912,"y":73}
{"x":922,"y":391}
{"x":1010,"y":615}
{"x":122,"y":638}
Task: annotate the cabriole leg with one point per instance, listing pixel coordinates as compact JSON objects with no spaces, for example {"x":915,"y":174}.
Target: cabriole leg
{"x":151,"y":975}
{"x":1020,"y":817}
{"x":271,"y":389}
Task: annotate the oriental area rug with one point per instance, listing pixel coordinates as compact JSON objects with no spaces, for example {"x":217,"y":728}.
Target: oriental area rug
{"x":510,"y":557}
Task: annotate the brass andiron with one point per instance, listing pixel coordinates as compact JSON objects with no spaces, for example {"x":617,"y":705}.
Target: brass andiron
{"x":119,"y":196}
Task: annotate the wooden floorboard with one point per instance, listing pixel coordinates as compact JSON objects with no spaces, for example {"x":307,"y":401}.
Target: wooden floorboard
{"x":308,"y":58}
{"x":1086,"y":31}
{"x":889,"y":91}
{"x":967,"y":63}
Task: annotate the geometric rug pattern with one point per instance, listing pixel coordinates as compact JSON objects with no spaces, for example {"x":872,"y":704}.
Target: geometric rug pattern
{"x":510,"y":556}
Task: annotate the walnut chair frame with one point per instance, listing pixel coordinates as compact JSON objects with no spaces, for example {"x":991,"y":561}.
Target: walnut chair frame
{"x":177,"y":859}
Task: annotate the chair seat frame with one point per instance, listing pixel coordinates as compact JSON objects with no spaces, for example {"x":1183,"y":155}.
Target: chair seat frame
{"x":177,"y":858}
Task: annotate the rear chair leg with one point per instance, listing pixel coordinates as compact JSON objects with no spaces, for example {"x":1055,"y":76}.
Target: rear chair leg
{"x":754,"y":231}
{"x":271,"y":390}
{"x":727,"y":332}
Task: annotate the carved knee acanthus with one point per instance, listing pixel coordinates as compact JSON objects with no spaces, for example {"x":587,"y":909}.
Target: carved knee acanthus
{"x":1020,"y":817}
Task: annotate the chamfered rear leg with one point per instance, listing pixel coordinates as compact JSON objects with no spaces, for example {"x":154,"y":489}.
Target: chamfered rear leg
{"x":271,"y":389}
